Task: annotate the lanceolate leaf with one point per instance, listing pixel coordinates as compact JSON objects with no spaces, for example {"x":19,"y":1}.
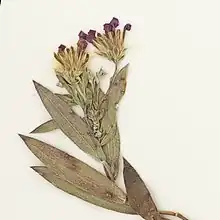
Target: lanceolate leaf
{"x":112,"y":152}
{"x":139,"y":196}
{"x":118,"y":85}
{"x":70,"y":123}
{"x":45,"y":127}
{"x":72,"y":189}
{"x":111,"y":139}
{"x":75,"y":171}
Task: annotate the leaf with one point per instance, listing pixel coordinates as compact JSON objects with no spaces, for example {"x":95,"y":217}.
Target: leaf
{"x":138,"y":195}
{"x":45,"y":127}
{"x":72,"y":189}
{"x":112,"y":152}
{"x":67,"y":98}
{"x":118,"y":85}
{"x":70,"y":123}
{"x":74,"y":171}
{"x":111,"y":139}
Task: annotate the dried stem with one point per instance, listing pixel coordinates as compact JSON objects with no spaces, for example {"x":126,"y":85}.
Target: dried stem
{"x":176,"y":214}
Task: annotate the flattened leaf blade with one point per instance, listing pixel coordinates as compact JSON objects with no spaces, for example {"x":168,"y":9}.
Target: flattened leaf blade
{"x":118,"y":85}
{"x":75,"y":171}
{"x":111,"y":137}
{"x":112,"y":152}
{"x":138,"y":195}
{"x":45,"y":127}
{"x":69,"y":122}
{"x":72,"y":189}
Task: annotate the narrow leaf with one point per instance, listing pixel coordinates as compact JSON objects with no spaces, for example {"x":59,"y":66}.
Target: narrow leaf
{"x":118,"y":85}
{"x":45,"y":127}
{"x":75,"y":171}
{"x":112,"y":152}
{"x":72,"y":189}
{"x":138,"y":195}
{"x":111,"y":139}
{"x":70,"y":123}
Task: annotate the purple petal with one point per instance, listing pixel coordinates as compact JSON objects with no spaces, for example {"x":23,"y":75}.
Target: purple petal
{"x":114,"y":22}
{"x":127,"y":27}
{"x":92,"y":33}
{"x":82,"y":35}
{"x":108,"y":27}
{"x":61,"y":48}
{"x":82,"y":44}
{"x":91,"y":36}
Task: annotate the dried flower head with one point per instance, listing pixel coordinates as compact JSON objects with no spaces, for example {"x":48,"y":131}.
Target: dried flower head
{"x":111,"y":43}
{"x":72,"y":62}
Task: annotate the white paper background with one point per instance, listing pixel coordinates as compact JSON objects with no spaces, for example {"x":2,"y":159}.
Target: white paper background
{"x":169,"y":118}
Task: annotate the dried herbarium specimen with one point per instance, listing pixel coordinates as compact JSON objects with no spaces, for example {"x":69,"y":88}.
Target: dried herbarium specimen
{"x":96,"y":133}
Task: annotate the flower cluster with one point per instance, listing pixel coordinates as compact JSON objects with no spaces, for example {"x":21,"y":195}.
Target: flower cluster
{"x":110,"y":44}
{"x":72,"y":62}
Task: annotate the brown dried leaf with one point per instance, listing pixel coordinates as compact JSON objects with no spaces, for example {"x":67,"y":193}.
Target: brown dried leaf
{"x":70,"y":123}
{"x":45,"y":127}
{"x":75,"y":171}
{"x":138,"y":195}
{"x":85,"y":195}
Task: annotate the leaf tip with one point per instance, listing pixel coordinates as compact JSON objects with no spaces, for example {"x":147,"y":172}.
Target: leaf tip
{"x":34,"y":168}
{"x":33,"y":131}
{"x":127,"y":65}
{"x":126,"y":163}
{"x":39,"y":169}
{"x":23,"y":137}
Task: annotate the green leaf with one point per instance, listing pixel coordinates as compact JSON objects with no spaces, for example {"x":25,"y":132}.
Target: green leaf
{"x":138,"y":195}
{"x":118,"y":85}
{"x":85,"y":195}
{"x":45,"y":127}
{"x":70,"y":123}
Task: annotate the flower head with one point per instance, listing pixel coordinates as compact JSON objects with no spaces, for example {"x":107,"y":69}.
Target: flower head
{"x":110,"y":44}
{"x":71,"y":63}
